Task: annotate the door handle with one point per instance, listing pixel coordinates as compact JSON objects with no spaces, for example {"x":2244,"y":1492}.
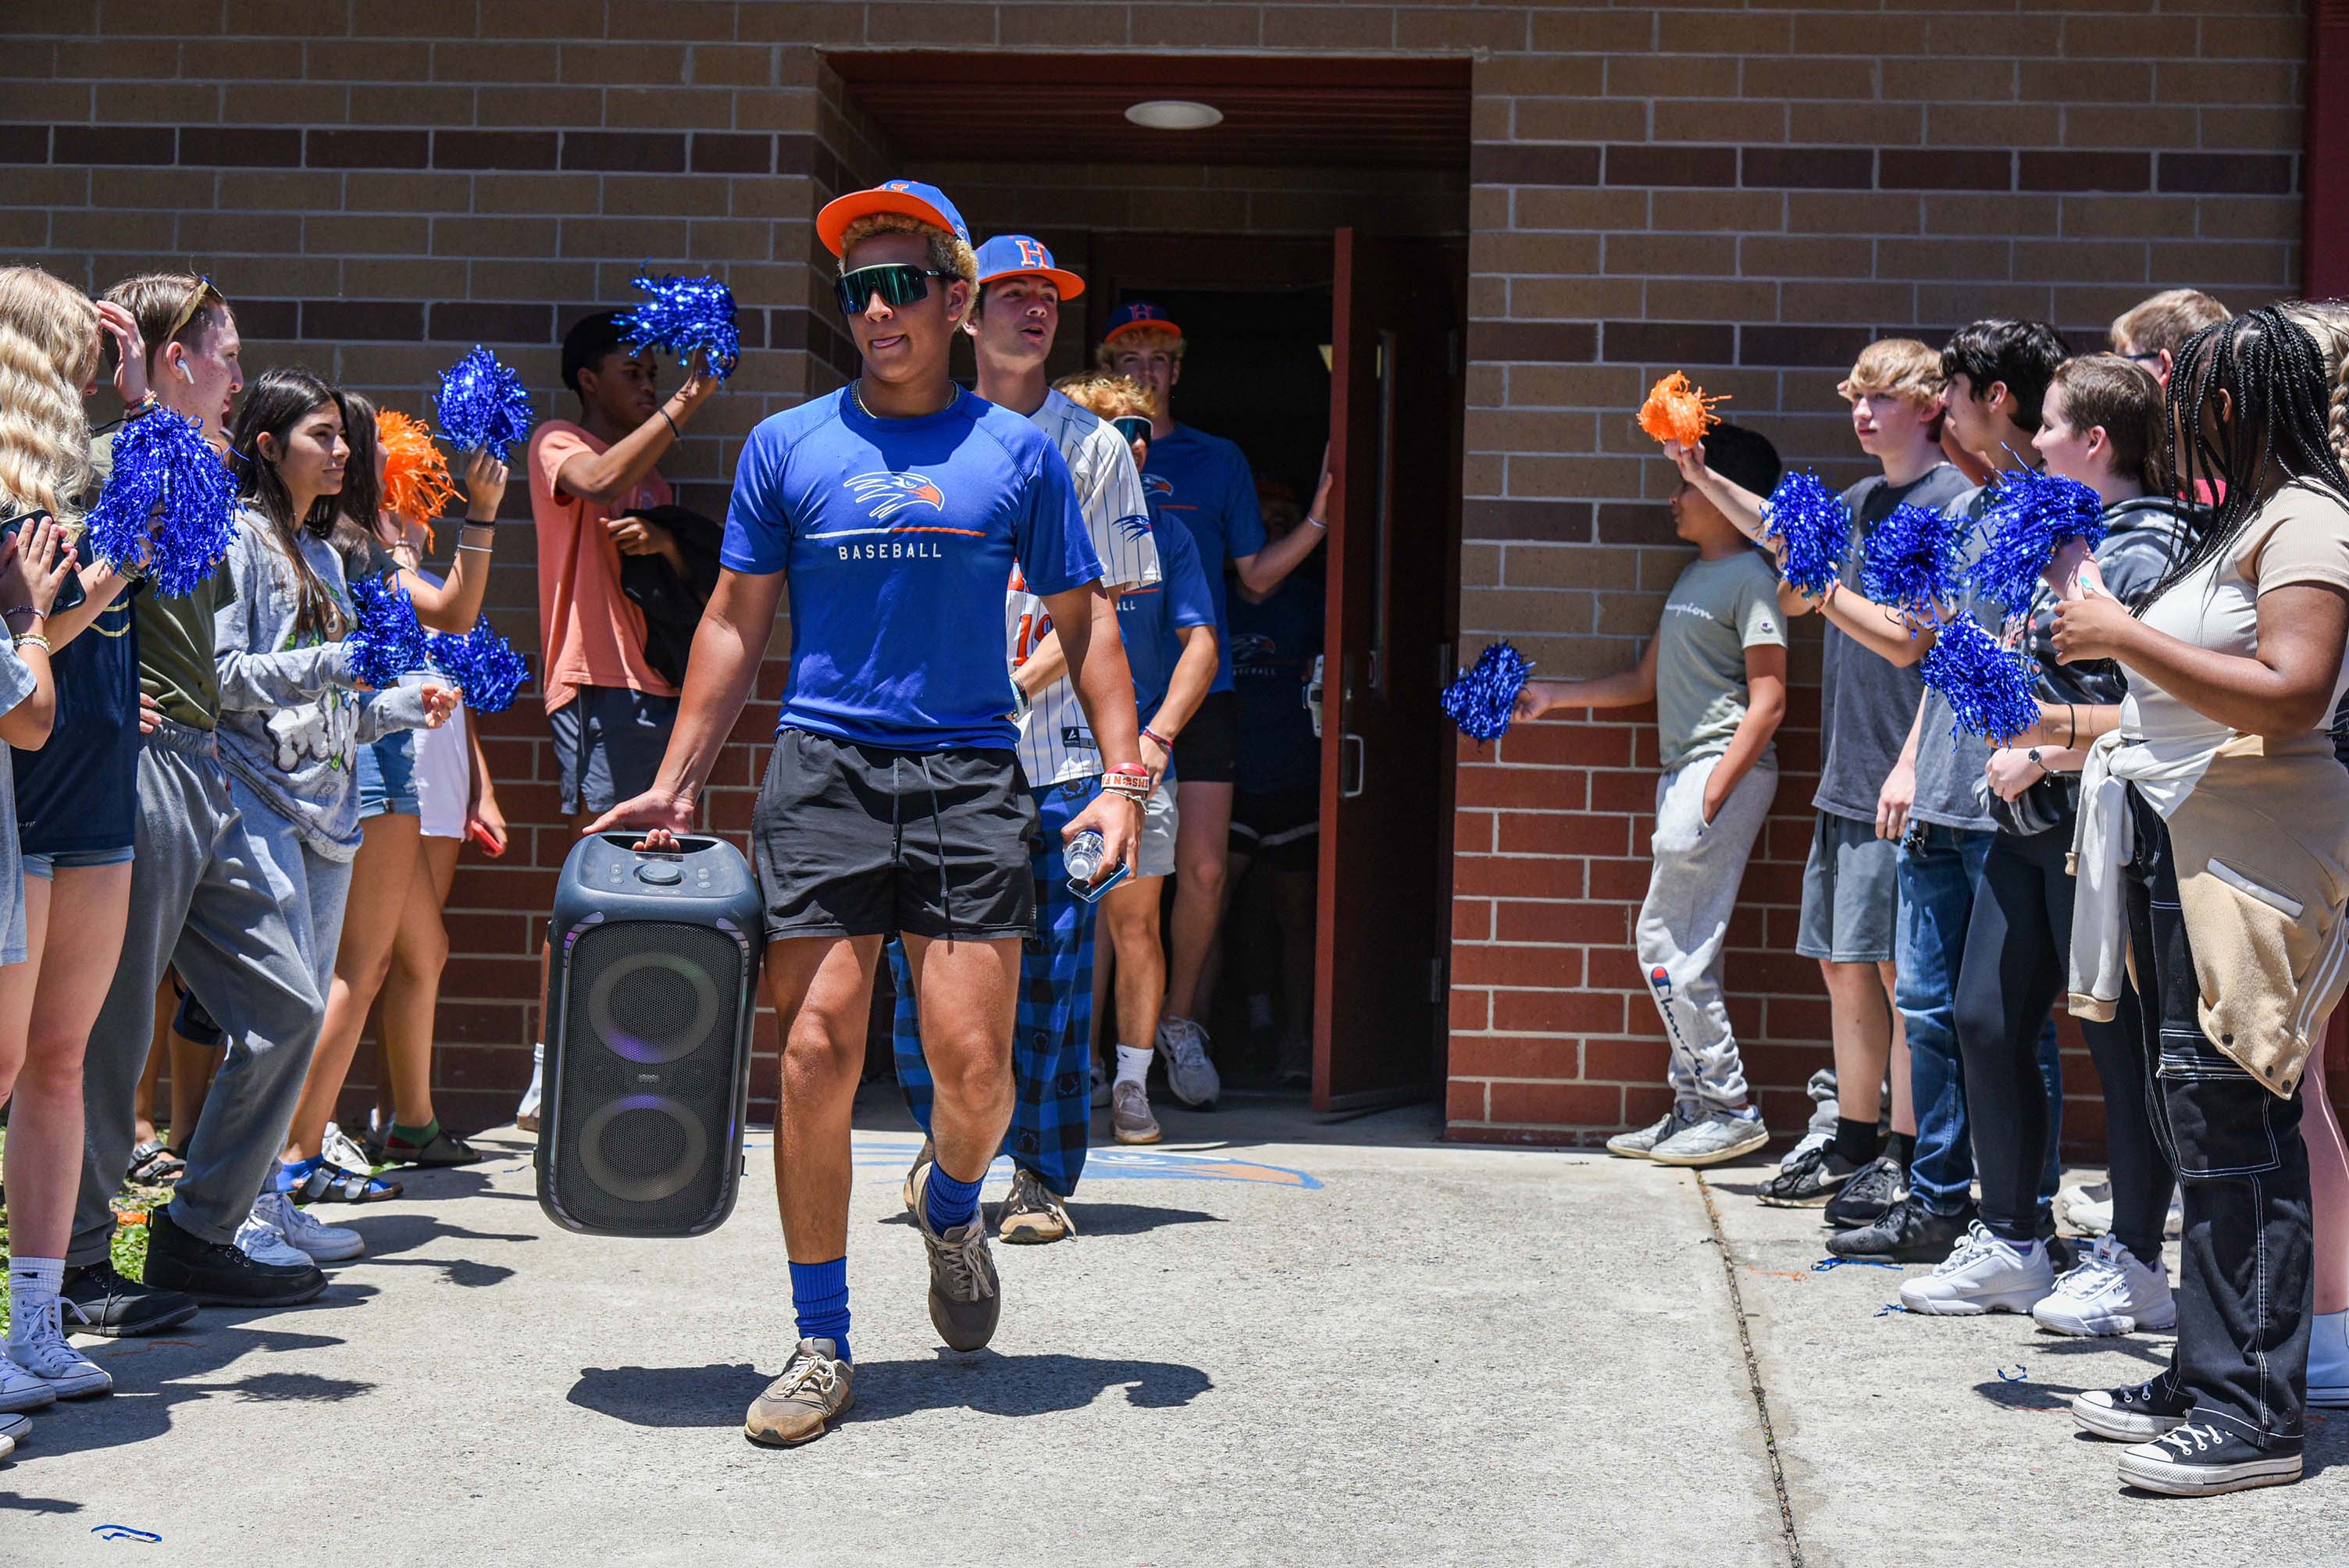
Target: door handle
{"x":1351,"y":767}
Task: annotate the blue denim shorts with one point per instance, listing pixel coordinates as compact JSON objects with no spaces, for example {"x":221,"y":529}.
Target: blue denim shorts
{"x":46,"y":866}
{"x":386,"y":773}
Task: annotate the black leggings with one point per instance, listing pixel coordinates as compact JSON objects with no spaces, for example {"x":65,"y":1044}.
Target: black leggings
{"x":2017,"y":960}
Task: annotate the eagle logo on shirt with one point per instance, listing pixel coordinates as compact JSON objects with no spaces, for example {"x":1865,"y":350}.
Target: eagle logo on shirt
{"x":1134,"y":527}
{"x":1157,"y":484}
{"x":884,"y":494}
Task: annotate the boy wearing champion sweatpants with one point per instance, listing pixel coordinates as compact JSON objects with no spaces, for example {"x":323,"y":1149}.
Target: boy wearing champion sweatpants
{"x":1716,"y":671}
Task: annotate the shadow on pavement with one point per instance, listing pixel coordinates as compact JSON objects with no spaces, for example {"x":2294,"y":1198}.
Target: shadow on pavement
{"x":389,"y":1235}
{"x":1103,"y":1219}
{"x":716,"y":1396}
{"x":152,"y":1377}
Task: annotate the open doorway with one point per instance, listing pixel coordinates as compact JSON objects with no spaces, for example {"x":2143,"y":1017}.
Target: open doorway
{"x":1326,"y":314}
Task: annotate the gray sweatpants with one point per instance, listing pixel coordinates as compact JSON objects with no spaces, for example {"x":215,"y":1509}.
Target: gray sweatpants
{"x":201,"y":898}
{"x":1692,"y":887}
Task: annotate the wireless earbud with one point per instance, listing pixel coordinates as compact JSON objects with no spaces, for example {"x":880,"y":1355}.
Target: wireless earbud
{"x":186,"y":375}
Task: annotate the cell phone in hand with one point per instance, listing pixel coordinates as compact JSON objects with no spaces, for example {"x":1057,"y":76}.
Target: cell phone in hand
{"x":482,"y":835}
{"x":1090,"y":892}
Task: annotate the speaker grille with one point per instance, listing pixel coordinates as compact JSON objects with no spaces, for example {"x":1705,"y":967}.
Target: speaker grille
{"x":646,"y":1075}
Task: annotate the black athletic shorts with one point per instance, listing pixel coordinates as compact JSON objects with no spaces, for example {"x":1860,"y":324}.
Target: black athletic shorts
{"x":856,"y":841}
{"x":1209,"y":749}
{"x":1281,"y":827}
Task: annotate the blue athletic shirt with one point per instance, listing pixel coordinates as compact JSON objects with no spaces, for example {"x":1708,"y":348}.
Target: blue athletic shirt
{"x":1205,"y":482}
{"x":1273,"y":645}
{"x":896,"y":537}
{"x":1148,"y":617}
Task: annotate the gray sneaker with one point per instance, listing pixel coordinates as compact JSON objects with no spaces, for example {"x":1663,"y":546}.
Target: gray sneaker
{"x":1641,"y":1144}
{"x":1129,"y":1114}
{"x":1716,"y":1135}
{"x":816,"y":1388}
{"x":966,"y":1300}
{"x":1189,"y":1073}
{"x":1032,"y":1212}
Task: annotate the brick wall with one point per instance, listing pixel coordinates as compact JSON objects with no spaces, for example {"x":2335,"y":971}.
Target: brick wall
{"x":1747,"y":191}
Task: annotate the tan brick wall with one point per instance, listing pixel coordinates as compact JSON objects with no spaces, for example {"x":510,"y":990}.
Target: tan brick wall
{"x":1746,"y":191}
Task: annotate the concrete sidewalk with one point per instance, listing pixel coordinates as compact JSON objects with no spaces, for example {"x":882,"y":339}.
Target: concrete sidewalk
{"x":1274,"y":1341}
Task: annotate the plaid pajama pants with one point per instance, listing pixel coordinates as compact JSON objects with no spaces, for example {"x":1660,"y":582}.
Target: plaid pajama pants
{"x":1051,"y":1038}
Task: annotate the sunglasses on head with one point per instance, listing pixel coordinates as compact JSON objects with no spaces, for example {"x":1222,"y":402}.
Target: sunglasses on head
{"x":896,"y":282}
{"x":1133,"y":426}
{"x":205,"y":290}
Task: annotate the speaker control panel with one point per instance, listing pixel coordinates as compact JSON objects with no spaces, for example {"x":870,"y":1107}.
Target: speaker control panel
{"x":700,"y":868}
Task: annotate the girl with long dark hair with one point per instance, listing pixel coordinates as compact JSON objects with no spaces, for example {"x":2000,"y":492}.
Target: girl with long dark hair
{"x":2214,"y":822}
{"x":290,"y":728}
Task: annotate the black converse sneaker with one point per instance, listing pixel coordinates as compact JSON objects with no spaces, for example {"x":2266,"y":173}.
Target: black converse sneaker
{"x":1909,"y":1232}
{"x":1881,"y":1182}
{"x":219,"y":1275}
{"x":1810,"y":1183}
{"x":2130,"y":1414}
{"x":2203,"y":1459}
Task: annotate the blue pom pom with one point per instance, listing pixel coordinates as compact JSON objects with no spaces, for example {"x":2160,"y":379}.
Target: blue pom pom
{"x":388,"y":643}
{"x":686,"y":315}
{"x":170,"y":502}
{"x":481,"y":404}
{"x":1990,"y":688}
{"x":2033,"y":516}
{"x":1912,"y":562}
{"x":1481,"y":700}
{"x":481,"y":664}
{"x":1815,"y":526}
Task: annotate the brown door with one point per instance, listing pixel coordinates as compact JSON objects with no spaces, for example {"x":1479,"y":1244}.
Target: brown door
{"x":1386,"y":748}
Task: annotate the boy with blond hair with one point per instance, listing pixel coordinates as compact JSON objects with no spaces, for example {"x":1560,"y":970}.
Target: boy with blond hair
{"x":2151,"y":331}
{"x":1850,"y":881}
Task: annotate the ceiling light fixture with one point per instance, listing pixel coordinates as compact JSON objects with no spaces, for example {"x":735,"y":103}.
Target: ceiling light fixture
{"x":1175,"y":114}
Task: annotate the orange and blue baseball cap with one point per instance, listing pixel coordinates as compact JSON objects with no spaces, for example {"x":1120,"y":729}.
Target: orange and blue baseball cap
{"x":1023,"y":256}
{"x":1136,"y":313}
{"x":924,"y":204}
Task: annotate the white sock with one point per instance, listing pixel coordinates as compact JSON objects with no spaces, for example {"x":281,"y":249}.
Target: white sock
{"x":32,"y":1284}
{"x":1133,"y":1064}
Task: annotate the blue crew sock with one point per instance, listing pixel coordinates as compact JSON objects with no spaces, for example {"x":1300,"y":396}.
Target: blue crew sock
{"x":949,"y":1202}
{"x":820,"y":1302}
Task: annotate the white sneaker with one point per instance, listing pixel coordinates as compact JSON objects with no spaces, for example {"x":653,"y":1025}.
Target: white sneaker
{"x":1641,"y":1142}
{"x":340,"y":1150}
{"x":260,"y":1241}
{"x":527,"y":1113}
{"x":313,"y":1238}
{"x":2328,"y":1360}
{"x":1982,"y":1273}
{"x":20,"y":1389}
{"x":1189,"y":1073}
{"x":1713,"y":1138}
{"x":38,"y":1346}
{"x":2111,"y":1291}
{"x":13,"y":1430}
{"x":2089,"y":1210}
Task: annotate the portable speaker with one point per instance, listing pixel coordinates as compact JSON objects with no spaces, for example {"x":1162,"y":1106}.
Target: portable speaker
{"x":650,"y":985}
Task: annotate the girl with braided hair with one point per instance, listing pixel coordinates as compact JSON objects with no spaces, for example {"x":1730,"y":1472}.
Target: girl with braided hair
{"x":2213,"y":823}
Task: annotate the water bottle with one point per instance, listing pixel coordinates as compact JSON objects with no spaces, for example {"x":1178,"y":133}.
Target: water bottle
{"x":1083,"y":856}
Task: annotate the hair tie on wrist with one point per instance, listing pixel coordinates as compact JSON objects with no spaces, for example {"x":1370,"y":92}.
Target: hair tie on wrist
{"x":674,"y":434}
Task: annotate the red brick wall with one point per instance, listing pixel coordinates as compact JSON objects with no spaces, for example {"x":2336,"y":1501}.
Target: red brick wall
{"x":1747,"y":191}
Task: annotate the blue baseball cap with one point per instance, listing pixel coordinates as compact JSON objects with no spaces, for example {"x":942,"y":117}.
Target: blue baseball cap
{"x":924,"y":204}
{"x":1022,"y":256}
{"x":1134,"y":313}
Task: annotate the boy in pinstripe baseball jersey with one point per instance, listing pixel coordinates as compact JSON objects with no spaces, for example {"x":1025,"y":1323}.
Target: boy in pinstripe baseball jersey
{"x":1012,"y":325}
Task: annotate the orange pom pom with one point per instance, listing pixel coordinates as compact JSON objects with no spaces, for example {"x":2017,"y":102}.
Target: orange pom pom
{"x":415,"y":474}
{"x":1677,"y":411}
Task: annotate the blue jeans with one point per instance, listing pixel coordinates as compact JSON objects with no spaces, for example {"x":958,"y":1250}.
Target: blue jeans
{"x":1940,"y":871}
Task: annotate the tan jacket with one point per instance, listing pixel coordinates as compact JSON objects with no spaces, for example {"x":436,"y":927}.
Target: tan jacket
{"x":2262,"y":854}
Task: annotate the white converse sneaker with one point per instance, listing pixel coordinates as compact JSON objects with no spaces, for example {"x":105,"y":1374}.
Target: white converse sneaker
{"x":2111,"y":1291}
{"x":1189,"y":1073}
{"x":38,"y":1346}
{"x":339,"y":1149}
{"x":12,"y":1428}
{"x":260,"y":1241}
{"x":20,"y":1389}
{"x":313,"y":1238}
{"x":1982,"y":1273}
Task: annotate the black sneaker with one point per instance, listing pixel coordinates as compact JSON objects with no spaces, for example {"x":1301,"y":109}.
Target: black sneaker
{"x":2130,"y":1414}
{"x":219,"y":1275}
{"x":1881,"y":1182}
{"x":1811,"y":1183}
{"x":101,"y":1300}
{"x":1909,"y":1232}
{"x":2203,"y":1459}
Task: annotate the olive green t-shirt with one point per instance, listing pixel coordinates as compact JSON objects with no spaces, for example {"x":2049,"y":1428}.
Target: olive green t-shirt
{"x":1716,"y":610}
{"x":175,"y":635}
